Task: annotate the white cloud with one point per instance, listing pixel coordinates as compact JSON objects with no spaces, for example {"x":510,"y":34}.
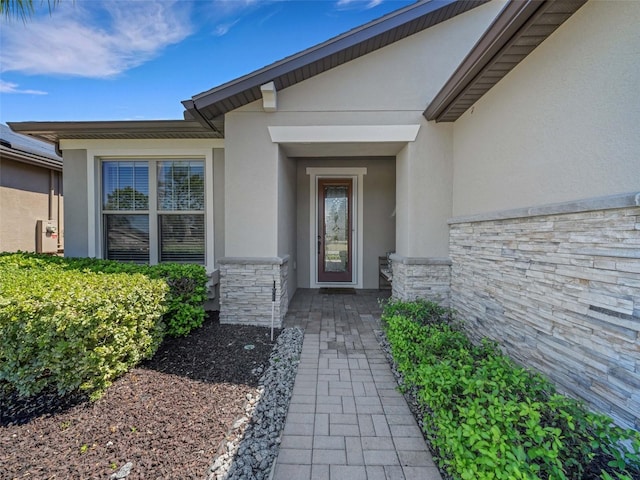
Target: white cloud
{"x":231,"y":7}
{"x":86,"y":40}
{"x":343,"y":4}
{"x":8,"y":87}
{"x":223,"y":28}
{"x":225,"y":14}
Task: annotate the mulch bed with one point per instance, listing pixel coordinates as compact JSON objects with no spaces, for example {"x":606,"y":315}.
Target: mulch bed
{"x":167,"y":417}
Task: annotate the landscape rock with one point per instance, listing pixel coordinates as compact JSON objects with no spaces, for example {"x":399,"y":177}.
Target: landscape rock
{"x":124,"y":471}
{"x":252,"y":444}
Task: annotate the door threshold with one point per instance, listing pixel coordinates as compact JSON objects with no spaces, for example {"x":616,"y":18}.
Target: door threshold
{"x":337,"y":291}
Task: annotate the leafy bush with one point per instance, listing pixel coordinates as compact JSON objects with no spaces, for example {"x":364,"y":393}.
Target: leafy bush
{"x":73,"y":330}
{"x":421,"y":311}
{"x":187,"y":293}
{"x":489,"y":418}
{"x":187,"y":284}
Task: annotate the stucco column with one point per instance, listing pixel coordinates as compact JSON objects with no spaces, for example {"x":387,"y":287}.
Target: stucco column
{"x":252,"y":262}
{"x":251,"y":188}
{"x":76,"y":194}
{"x":421,"y":265}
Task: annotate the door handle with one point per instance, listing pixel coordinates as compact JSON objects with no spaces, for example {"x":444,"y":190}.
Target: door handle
{"x":319,"y":244}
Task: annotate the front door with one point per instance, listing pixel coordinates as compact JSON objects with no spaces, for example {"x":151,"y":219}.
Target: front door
{"x":335,"y":263}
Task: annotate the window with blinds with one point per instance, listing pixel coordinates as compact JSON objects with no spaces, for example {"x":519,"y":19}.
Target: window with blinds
{"x":125,"y":205}
{"x":130,"y":218}
{"x":127,"y":238}
{"x":181,"y":211}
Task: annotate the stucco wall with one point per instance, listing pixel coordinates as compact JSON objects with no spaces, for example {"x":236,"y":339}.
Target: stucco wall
{"x":558,"y":285}
{"x":563,"y":125}
{"x":251,"y":188}
{"x":24,"y":199}
{"x":401,"y":77}
{"x":76,"y":208}
{"x":390,"y":86}
{"x":379,"y":218}
{"x":424,"y":193}
{"x":218,"y":201}
{"x":287,"y":221}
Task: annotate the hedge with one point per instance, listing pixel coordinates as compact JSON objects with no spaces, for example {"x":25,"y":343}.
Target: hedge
{"x":74,"y":330}
{"x":488,"y":418}
{"x":187,"y":283}
{"x":76,"y":324}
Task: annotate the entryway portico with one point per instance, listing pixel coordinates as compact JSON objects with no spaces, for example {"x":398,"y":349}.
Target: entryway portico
{"x":337,"y":159}
{"x":344,"y":198}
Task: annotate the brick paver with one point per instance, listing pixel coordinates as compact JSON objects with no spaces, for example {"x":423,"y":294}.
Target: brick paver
{"x":346,"y":419}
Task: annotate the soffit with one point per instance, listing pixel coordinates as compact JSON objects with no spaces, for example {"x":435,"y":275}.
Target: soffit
{"x":519,"y":28}
{"x":209,"y":106}
{"x":329,"y":149}
{"x":53,"y":132}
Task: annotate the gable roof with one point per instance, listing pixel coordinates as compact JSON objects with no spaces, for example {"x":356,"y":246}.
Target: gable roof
{"x":517,"y":30}
{"x":21,"y":148}
{"x":208,"y":106}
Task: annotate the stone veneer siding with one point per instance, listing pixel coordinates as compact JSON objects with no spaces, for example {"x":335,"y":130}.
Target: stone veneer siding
{"x":427,"y":278}
{"x":246,"y":285}
{"x":559,"y":288}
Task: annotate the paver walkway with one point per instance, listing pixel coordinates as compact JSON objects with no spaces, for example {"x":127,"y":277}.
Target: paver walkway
{"x":346,"y":420}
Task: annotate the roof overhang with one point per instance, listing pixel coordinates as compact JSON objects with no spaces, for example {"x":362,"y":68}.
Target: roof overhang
{"x":210,"y":106}
{"x":53,"y":132}
{"x":518,"y":29}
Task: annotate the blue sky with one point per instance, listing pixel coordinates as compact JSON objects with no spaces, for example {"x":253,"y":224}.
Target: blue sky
{"x":137,"y":59}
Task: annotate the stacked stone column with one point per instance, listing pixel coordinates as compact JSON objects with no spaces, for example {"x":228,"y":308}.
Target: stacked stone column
{"x":246,"y":286}
{"x":419,"y":277}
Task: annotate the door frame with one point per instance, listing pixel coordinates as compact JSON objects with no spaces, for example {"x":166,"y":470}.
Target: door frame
{"x":323,"y":275}
{"x":356,"y":174}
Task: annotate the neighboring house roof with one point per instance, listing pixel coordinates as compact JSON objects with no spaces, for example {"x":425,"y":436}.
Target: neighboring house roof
{"x":519,"y":28}
{"x":355,"y":43}
{"x":21,"y":148}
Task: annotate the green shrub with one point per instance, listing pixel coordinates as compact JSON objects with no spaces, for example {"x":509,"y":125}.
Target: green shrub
{"x":490,"y":419}
{"x":187,"y":284}
{"x":187,"y":293}
{"x":72,"y":329}
{"x":420,"y":311}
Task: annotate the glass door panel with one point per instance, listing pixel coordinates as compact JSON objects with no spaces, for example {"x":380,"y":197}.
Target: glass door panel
{"x":334,"y":239}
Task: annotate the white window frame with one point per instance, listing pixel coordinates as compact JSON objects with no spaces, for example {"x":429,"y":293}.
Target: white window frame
{"x":95,"y":215}
{"x":146,"y":212}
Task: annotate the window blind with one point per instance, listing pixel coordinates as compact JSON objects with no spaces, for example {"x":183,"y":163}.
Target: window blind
{"x":127,"y":238}
{"x":182,"y":238}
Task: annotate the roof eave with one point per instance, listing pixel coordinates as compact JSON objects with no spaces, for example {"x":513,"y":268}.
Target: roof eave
{"x":333,"y":45}
{"x":53,"y":132}
{"x":246,"y":89}
{"x":474,"y":77}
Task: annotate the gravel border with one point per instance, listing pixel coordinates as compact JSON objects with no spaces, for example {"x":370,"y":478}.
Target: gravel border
{"x":251,"y":446}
